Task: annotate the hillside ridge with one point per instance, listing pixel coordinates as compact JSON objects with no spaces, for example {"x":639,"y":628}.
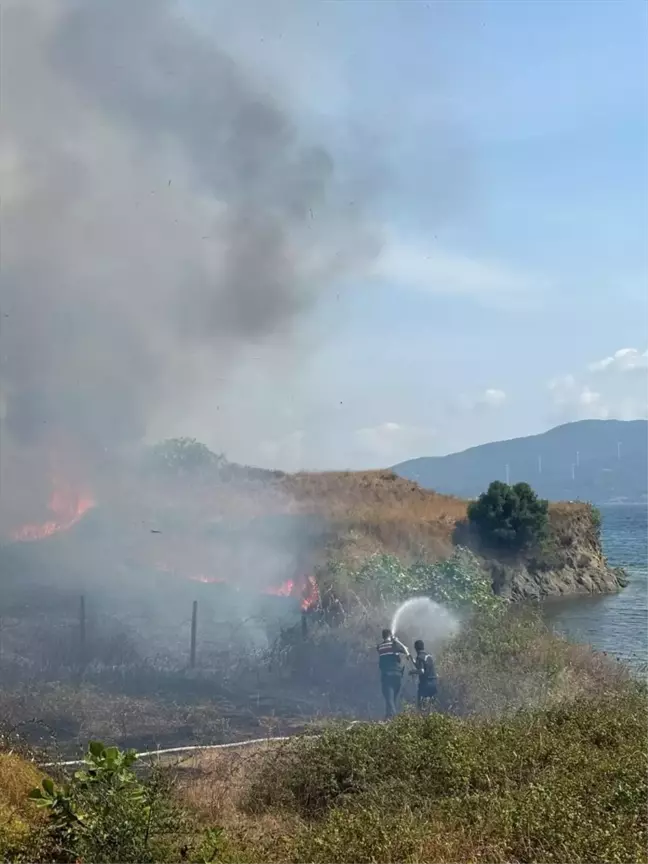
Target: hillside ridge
{"x":601,"y":461}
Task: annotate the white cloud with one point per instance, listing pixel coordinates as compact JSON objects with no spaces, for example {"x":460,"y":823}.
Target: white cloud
{"x":286,"y":452}
{"x":573,"y":400}
{"x":492,"y":398}
{"x":623,"y":360}
{"x":489,"y":399}
{"x":393,"y":442}
{"x":423,"y":267}
{"x":605,"y":390}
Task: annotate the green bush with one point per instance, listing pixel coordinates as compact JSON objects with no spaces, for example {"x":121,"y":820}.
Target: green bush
{"x":564,"y":784}
{"x":105,"y":813}
{"x":510,"y":518}
{"x":459,"y":581}
{"x":597,"y":520}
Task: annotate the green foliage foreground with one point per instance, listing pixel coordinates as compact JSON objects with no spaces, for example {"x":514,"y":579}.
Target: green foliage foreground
{"x":107,"y":812}
{"x":564,"y":784}
{"x":567,"y":783}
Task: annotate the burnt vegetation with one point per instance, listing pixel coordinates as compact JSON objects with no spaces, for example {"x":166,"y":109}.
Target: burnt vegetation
{"x":102,"y":648}
{"x":547,"y":763}
{"x":525,"y":721}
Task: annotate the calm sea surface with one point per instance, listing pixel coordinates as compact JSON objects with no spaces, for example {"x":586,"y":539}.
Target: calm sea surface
{"x":617,"y":623}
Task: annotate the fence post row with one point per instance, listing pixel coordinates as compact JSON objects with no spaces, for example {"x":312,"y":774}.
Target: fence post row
{"x":82,"y":631}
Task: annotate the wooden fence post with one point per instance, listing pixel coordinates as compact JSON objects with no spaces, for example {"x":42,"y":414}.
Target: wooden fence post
{"x":82,"y":629}
{"x":194,"y":624}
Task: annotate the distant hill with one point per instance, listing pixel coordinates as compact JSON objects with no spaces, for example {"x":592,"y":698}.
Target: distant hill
{"x":592,"y":460}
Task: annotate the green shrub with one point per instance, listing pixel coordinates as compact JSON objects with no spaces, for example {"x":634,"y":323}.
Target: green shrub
{"x":567,"y":783}
{"x":459,"y":581}
{"x":510,"y":518}
{"x":105,"y":813}
{"x":597,"y":520}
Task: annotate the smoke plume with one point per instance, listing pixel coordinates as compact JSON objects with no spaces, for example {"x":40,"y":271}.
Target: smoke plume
{"x":161,"y":210}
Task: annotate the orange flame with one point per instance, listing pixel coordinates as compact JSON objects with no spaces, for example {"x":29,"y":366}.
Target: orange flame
{"x":310,"y":594}
{"x":67,"y":506}
{"x":207,"y":580}
{"x":283,"y":590}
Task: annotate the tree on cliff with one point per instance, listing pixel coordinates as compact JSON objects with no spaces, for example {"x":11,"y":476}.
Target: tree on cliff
{"x":181,"y":455}
{"x":510,"y":518}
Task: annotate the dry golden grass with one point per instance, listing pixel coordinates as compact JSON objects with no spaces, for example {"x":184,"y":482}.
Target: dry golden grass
{"x":212,"y":781}
{"x":365,"y":512}
{"x":361,"y":495}
{"x":17,"y":778}
{"x":17,"y":815}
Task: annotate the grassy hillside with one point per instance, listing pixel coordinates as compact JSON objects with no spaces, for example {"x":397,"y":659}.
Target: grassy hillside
{"x":373,"y":538}
{"x":548,"y":764}
{"x":207,"y":522}
{"x":592,"y":460}
{"x":212,"y":523}
{"x":536,"y":751}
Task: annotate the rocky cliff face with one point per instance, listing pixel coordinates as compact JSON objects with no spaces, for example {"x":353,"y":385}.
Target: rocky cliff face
{"x":574,"y":562}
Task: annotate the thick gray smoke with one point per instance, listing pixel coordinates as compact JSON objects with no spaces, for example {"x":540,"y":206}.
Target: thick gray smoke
{"x":161,"y":210}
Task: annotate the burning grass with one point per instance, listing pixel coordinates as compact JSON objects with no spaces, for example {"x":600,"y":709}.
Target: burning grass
{"x":503,"y":658}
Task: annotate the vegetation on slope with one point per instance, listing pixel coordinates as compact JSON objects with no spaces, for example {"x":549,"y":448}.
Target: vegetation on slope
{"x":563,"y":784}
{"x":537,"y":753}
{"x":566,"y":783}
{"x":359,"y":512}
{"x":20,"y":824}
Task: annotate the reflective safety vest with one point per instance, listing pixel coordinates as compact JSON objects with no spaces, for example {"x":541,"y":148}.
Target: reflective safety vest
{"x":389,"y":656}
{"x":425,"y":667}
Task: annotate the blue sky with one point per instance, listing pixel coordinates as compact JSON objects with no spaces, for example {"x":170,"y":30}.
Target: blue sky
{"x":506,"y":146}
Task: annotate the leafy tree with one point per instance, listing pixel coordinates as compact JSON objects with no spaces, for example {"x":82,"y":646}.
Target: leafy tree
{"x":509,"y":517}
{"x":181,"y":455}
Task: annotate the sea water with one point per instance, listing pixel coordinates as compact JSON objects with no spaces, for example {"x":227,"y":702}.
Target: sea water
{"x":422,"y":618}
{"x":615,"y":623}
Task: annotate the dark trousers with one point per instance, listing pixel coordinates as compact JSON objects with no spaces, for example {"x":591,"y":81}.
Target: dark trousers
{"x":425,"y":696}
{"x":391,"y":685}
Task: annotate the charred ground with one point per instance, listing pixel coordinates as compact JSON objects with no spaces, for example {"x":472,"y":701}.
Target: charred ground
{"x":240,"y":542}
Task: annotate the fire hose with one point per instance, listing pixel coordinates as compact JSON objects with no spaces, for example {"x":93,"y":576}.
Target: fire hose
{"x":198,"y":747}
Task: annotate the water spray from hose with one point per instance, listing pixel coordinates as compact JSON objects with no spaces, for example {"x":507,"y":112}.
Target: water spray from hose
{"x":422,"y":618}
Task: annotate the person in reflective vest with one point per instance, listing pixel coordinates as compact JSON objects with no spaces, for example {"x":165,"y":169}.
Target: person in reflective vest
{"x":390,"y":654}
{"x":427,"y":678}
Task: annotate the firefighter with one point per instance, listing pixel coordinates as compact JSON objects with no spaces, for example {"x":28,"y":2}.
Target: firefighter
{"x":427,"y":679}
{"x":390,"y":653}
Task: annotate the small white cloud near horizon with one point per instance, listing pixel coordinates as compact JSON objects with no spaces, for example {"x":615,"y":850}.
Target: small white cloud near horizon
{"x":423,"y":267}
{"x":606,"y":390}
{"x":623,"y":360}
{"x":392,"y":442}
{"x":490,"y":399}
{"x":572,"y":400}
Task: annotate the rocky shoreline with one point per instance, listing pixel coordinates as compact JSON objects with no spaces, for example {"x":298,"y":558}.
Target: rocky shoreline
{"x":575,"y":564}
